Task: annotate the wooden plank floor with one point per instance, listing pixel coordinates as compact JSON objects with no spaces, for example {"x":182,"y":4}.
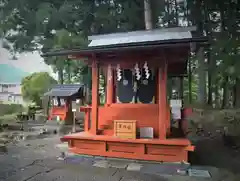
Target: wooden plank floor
{"x":169,"y":150}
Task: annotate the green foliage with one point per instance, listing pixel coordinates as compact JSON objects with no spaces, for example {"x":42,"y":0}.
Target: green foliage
{"x":35,"y":85}
{"x":65,"y":24}
{"x":6,"y":119}
{"x":8,"y":112}
{"x":29,"y":25}
{"x":10,"y":109}
{"x":63,"y":39}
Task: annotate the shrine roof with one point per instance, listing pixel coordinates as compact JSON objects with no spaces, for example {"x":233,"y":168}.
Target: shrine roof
{"x":64,"y":90}
{"x":141,"y":36}
{"x":136,"y":40}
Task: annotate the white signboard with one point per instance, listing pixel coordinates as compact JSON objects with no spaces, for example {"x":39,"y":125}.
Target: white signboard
{"x":146,"y":132}
{"x":176,"y":112}
{"x":58,"y":118}
{"x":176,"y":103}
{"x":74,"y":106}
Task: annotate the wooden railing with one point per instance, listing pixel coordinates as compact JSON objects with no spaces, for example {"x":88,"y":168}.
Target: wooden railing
{"x":87,"y":111}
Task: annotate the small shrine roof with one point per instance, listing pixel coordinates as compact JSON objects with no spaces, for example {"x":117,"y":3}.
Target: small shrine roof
{"x":136,"y":40}
{"x":64,"y":90}
{"x":141,"y":36}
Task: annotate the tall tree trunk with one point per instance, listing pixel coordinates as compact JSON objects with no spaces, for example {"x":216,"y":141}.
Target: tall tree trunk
{"x":59,"y":63}
{"x":237,"y":93}
{"x":217,"y":98}
{"x":223,"y":29}
{"x":148,"y":15}
{"x":176,"y":12}
{"x":224,"y":96}
{"x":210,"y":67}
{"x":234,"y":93}
{"x":208,"y":50}
{"x":201,"y":77}
{"x":225,"y":93}
{"x":69,"y":73}
{"x":189,"y":81}
{"x":167,"y":12}
{"x":60,"y":75}
{"x":69,"y":77}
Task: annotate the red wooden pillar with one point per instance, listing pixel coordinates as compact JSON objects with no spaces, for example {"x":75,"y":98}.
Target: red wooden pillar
{"x":86,"y":111}
{"x":95,"y":84}
{"x":109,"y":85}
{"x":162,"y":100}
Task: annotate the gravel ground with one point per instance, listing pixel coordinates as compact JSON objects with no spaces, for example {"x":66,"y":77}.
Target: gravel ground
{"x":37,"y":160}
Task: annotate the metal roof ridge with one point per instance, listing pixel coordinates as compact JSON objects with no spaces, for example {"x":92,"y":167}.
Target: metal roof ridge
{"x":142,"y":32}
{"x":138,"y":38}
{"x":68,"y":84}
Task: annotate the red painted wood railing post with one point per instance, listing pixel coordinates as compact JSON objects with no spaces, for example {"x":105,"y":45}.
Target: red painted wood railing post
{"x":86,"y":120}
{"x":95,"y":84}
{"x":162,"y":100}
{"x":109,"y":85}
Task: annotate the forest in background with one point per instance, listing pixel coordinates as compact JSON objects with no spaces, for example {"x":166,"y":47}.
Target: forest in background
{"x":213,"y":77}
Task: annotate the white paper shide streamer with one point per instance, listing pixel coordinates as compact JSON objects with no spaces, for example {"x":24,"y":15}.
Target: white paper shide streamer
{"x":119,"y":73}
{"x":137,"y":71}
{"x":145,"y":66}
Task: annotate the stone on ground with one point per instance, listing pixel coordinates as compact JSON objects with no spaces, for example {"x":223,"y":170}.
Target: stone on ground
{"x":101,"y":164}
{"x":62,"y":146}
{"x":119,"y":164}
{"x":134,"y":167}
{"x":199,"y":173}
{"x":165,"y":168}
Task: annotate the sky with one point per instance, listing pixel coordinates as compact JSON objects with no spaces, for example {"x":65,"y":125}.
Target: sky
{"x":28,"y":62}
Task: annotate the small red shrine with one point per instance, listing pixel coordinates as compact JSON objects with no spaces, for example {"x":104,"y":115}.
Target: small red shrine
{"x":135,"y":121}
{"x":60,"y":98}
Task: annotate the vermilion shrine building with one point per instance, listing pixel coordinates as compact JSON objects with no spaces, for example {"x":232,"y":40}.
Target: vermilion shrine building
{"x":135,"y":122}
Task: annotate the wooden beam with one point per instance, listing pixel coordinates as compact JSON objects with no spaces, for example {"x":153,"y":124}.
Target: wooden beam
{"x":162,"y":100}
{"x":175,"y":54}
{"x":95,"y":102}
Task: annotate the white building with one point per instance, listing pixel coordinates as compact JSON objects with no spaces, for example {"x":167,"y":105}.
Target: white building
{"x":10,"y":84}
{"x":11,"y":93}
